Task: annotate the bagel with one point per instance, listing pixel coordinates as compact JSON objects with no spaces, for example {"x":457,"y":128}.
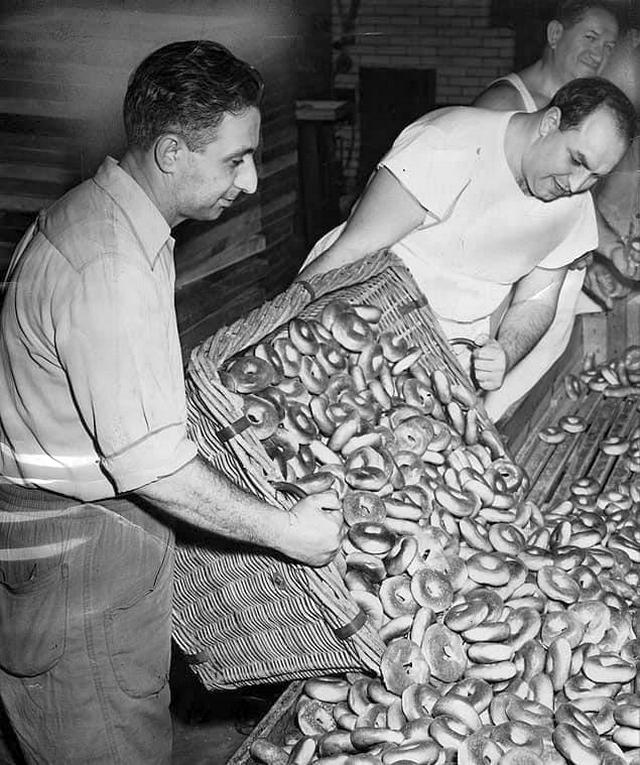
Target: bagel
{"x":290,"y":357}
{"x":571,"y":423}
{"x":487,"y":632}
{"x":360,"y":506}
{"x":558,"y":664}
{"x":262,"y":415}
{"x":432,"y":589}
{"x":488,"y":568}
{"x":339,"y":384}
{"x":422,"y":619}
{"x":466,"y":615}
{"x":298,"y":421}
{"x":331,"y":358}
{"x":352,"y":332}
{"x":459,"y":708}
{"x":345,"y":431}
{"x":397,"y":597}
{"x":441,"y":386}
{"x":419,"y":753}
{"x":401,"y":366}
{"x":614,"y":446}
{"x":313,"y":376}
{"x":370,"y":361}
{"x":371,"y":538}
{"x":506,"y":538}
{"x":489,"y":653}
{"x":403,"y":664}
{"x":460,"y":504}
{"x":496,"y":672}
{"x":330,"y":689}
{"x":368,"y":563}
{"x":552,"y":435}
{"x":477,"y":692}
{"x":332,"y":310}
{"x":585,"y":487}
{"x":398,"y":626}
{"x":371,"y":606}
{"x":399,"y":558}
{"x":414,"y":434}
{"x":265,"y":351}
{"x":314,"y":717}
{"x":418,"y":394}
{"x":557,"y":584}
{"x":444,"y":653}
{"x":418,"y":700}
{"x":303,"y":337}
{"x":248,"y":374}
{"x":562,"y":624}
{"x":366,"y":478}
{"x":577,"y":745}
{"x":608,"y":668}
{"x":370,"y":313}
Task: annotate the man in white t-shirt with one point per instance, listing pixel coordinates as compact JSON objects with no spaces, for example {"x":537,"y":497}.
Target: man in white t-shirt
{"x":477,"y":202}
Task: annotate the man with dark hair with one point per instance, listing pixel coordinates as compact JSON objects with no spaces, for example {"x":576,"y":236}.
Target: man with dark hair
{"x":487,"y":211}
{"x":579,"y":41}
{"x":97,"y":466}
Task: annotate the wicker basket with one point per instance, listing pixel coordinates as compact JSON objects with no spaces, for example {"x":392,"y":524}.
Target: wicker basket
{"x":243,"y":616}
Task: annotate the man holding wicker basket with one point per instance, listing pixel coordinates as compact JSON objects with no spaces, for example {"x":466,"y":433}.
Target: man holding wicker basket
{"x":96,"y":463}
{"x":488,"y":210}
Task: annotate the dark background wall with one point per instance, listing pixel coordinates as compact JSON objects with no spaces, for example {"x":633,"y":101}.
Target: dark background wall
{"x":64,"y":66}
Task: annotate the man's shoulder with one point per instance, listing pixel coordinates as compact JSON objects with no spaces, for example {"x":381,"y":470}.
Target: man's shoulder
{"x":85,"y":224}
{"x":459,"y":124}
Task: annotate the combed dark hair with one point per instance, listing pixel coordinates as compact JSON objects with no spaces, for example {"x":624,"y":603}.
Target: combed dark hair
{"x":570,"y":12}
{"x":187,"y":88}
{"x":582,"y":96}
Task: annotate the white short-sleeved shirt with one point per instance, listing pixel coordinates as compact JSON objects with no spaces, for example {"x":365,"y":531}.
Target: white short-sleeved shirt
{"x":92,"y":398}
{"x":481,"y":233}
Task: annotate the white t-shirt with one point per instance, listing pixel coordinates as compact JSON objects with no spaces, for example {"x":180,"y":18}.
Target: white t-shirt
{"x":481,"y":233}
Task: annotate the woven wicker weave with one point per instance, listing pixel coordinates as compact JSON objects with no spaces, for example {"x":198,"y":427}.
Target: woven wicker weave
{"x":243,"y":616}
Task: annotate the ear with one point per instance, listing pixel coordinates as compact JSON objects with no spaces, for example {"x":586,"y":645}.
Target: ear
{"x":167,"y":152}
{"x":550,"y":121}
{"x":554,"y":33}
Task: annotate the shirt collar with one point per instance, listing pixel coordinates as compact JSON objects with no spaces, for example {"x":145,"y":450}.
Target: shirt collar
{"x":149,"y":225}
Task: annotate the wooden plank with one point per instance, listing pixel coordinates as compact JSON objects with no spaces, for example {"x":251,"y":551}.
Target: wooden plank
{"x":545,"y":480}
{"x":582,"y":458}
{"x":633,"y":319}
{"x":273,"y":725}
{"x":594,"y":328}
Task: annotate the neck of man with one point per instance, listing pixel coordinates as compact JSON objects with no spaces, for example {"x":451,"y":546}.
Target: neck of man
{"x":522,"y":131}
{"x":142,"y":169}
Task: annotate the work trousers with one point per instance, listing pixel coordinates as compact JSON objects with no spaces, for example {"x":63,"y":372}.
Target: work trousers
{"x":85,"y":629}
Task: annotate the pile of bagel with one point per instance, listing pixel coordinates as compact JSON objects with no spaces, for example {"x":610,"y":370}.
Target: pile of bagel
{"x":511,"y":631}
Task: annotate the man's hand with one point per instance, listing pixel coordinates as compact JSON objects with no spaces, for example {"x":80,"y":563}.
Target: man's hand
{"x":316,"y":529}
{"x":489,"y":363}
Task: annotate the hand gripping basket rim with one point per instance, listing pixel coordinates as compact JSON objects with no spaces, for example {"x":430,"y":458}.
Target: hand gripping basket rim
{"x":243,"y":616}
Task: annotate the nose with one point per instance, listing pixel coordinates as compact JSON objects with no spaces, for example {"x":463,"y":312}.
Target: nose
{"x":247,"y":177}
{"x":581,"y":180}
{"x":597,"y":53}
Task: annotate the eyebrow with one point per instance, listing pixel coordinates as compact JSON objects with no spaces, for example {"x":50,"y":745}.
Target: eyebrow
{"x":583,"y":161}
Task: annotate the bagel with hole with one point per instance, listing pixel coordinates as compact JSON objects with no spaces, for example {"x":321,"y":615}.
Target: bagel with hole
{"x":402,"y":665}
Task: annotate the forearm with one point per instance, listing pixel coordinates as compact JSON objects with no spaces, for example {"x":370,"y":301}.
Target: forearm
{"x":522,"y":327}
{"x":201,"y":497}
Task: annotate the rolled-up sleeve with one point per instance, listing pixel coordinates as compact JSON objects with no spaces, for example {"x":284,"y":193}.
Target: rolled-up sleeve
{"x":117,"y":340}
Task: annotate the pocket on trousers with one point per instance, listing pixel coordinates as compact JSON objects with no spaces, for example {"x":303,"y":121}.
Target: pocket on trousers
{"x":33,"y":622}
{"x":138,"y":636}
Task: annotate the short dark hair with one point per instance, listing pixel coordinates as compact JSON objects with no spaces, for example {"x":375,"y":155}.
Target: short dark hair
{"x":187,"y":88}
{"x":582,"y":96}
{"x":570,"y":12}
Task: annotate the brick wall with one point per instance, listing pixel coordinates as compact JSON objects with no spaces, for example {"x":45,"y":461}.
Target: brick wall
{"x":455,"y":37}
